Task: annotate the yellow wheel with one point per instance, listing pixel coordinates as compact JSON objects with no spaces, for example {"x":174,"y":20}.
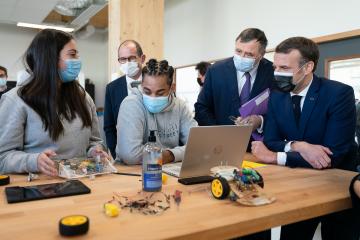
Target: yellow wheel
{"x":220,"y":188}
{"x":74,"y":225}
{"x":4,"y":180}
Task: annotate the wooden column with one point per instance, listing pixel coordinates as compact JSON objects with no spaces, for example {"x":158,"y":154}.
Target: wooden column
{"x":141,"y":20}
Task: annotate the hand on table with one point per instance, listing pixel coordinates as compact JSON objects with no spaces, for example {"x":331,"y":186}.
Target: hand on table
{"x":316,"y":155}
{"x":45,"y":164}
{"x":262,"y":153}
{"x":357,"y":188}
{"x":98,"y":151}
{"x":167,"y":157}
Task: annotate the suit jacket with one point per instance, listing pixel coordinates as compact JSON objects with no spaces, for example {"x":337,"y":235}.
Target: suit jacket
{"x":219,"y":97}
{"x":116,"y":91}
{"x":327,"y":118}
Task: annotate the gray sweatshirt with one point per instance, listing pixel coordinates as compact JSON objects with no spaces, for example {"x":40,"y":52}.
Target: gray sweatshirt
{"x":135,"y":122}
{"x":22,"y":136}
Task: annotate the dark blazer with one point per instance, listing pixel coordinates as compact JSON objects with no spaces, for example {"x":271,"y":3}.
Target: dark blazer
{"x":219,"y":97}
{"x":328,"y":118}
{"x":116,"y":91}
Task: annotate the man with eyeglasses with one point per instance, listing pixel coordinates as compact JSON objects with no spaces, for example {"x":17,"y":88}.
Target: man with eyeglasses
{"x":131,"y":59}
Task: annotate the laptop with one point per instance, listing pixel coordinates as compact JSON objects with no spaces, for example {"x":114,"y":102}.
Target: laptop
{"x":209,"y":147}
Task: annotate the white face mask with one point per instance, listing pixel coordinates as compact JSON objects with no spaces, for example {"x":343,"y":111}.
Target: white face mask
{"x":130,"y":68}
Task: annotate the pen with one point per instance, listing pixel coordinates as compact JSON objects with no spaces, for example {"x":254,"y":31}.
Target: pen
{"x":128,"y":174}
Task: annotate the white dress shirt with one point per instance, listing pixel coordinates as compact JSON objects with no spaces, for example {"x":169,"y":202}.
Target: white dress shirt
{"x":281,"y":156}
{"x":129,"y":80}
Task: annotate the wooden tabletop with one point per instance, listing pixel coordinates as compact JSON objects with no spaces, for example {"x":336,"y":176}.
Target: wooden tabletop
{"x":301,"y":194}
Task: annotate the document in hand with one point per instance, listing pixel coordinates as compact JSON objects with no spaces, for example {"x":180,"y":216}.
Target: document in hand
{"x":256,"y":106}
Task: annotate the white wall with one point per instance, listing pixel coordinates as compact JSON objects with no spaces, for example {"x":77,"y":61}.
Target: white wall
{"x":93,"y":52}
{"x":196,"y":30}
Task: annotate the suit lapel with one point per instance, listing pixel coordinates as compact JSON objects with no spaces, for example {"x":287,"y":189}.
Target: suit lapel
{"x":124,"y":87}
{"x":233,"y":86}
{"x":259,"y":80}
{"x":309,"y":104}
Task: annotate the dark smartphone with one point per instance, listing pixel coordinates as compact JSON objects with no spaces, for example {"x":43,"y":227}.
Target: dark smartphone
{"x":195,"y":180}
{"x":52,"y":190}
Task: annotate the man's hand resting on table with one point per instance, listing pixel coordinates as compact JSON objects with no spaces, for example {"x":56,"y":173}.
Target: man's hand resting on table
{"x":316,"y":155}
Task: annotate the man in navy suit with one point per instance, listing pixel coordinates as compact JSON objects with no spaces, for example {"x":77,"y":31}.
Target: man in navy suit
{"x":233,"y":81}
{"x":310,"y":123}
{"x":131,"y":59}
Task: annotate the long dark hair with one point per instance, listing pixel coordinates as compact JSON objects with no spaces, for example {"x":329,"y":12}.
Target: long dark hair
{"x":45,"y":93}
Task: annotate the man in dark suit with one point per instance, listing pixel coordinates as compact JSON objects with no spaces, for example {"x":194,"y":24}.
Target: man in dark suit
{"x":131,"y":58}
{"x":3,"y":80}
{"x":310,"y":123}
{"x":233,"y":81}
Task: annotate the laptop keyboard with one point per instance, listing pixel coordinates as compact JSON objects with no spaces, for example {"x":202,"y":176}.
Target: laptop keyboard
{"x":173,"y":169}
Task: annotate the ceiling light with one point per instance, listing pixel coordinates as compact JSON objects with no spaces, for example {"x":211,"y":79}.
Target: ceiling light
{"x":42,"y":26}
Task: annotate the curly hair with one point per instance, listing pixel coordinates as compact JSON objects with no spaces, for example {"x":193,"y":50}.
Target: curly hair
{"x":155,"y":68}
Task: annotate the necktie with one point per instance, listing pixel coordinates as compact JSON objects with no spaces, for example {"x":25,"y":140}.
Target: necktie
{"x":135,"y":84}
{"x":296,"y":106}
{"x":245,"y":91}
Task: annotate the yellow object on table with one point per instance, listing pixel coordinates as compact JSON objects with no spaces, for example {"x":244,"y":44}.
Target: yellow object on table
{"x":164,"y":178}
{"x":111,"y":209}
{"x":248,"y":164}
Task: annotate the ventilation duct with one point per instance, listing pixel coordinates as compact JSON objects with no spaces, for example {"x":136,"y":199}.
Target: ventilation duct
{"x":81,"y":10}
{"x":71,"y":7}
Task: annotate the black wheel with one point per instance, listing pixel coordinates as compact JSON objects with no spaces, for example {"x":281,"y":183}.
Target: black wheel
{"x":261,"y":180}
{"x":74,"y":225}
{"x":220,"y":188}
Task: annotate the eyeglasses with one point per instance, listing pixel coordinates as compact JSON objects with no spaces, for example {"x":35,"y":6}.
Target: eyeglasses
{"x":128,"y":59}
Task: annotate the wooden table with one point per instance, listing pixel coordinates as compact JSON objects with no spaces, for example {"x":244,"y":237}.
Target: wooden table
{"x":301,"y":194}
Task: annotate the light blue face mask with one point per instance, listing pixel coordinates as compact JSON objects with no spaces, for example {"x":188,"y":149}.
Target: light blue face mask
{"x":71,"y":71}
{"x":2,"y":82}
{"x":243,"y":64}
{"x":155,"y":104}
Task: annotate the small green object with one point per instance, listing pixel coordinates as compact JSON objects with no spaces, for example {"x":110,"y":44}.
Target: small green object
{"x":256,"y":176}
{"x":247,"y":171}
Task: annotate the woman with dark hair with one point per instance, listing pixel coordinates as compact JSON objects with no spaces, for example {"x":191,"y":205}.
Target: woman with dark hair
{"x":155,"y":107}
{"x":50,"y":114}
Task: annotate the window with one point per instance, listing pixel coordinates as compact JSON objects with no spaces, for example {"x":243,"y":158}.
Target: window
{"x":346,"y":70}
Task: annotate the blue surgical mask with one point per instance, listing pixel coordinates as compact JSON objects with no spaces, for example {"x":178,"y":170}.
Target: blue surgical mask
{"x":243,"y":64}
{"x":155,"y":104}
{"x":71,"y":71}
{"x":2,"y":82}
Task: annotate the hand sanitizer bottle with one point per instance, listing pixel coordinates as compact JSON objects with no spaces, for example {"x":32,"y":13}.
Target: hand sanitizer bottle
{"x":152,"y":165}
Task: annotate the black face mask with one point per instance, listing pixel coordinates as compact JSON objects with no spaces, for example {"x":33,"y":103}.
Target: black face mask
{"x":200,"y":82}
{"x":284,"y":80}
{"x":284,"y":83}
